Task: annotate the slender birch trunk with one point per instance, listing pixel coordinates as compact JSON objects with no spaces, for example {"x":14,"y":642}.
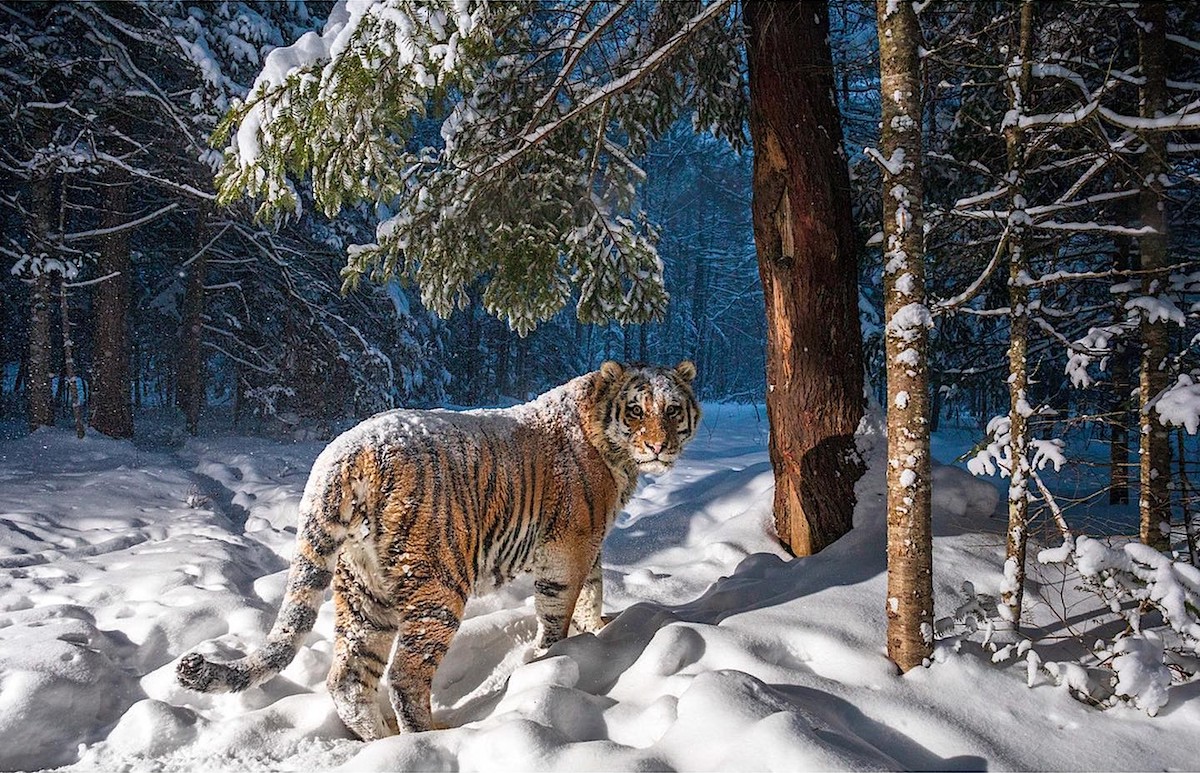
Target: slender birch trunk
{"x":910,"y":541}
{"x":1020,"y":81}
{"x":1154,"y":502}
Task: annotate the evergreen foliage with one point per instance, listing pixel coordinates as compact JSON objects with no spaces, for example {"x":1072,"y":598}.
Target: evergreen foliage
{"x":532,"y":188}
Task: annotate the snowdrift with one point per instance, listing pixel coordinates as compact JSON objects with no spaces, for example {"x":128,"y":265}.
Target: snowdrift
{"x":726,"y":655}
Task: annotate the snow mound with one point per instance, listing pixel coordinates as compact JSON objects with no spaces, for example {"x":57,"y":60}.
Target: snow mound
{"x":724,"y":654}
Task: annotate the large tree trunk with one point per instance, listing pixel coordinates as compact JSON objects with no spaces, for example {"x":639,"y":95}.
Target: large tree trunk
{"x":111,"y":410}
{"x":192,"y":381}
{"x":1154,"y":503}
{"x":1012,"y":589}
{"x":803,"y":230}
{"x":909,"y":517}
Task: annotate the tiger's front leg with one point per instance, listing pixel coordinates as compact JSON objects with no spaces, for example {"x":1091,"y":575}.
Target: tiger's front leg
{"x":588,"y":609}
{"x":556,"y":591}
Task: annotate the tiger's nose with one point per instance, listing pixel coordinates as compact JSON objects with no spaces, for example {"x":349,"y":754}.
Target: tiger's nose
{"x":655,"y":448}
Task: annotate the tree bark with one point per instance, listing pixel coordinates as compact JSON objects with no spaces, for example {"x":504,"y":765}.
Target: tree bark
{"x":907,"y":320}
{"x":69,"y":359}
{"x":1012,"y":588}
{"x":40,"y":392}
{"x":1118,"y":445}
{"x":700,"y":301}
{"x":803,"y":231}
{"x":192,"y":380}
{"x":1154,"y":502}
{"x":111,"y":410}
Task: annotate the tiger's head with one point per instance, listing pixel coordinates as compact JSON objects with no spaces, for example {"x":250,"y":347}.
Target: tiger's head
{"x":649,"y":412}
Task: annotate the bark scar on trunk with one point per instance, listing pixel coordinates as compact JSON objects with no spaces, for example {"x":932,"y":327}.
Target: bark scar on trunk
{"x":776,"y":201}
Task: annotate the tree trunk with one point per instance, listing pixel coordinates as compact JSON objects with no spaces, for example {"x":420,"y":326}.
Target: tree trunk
{"x":803,"y":231}
{"x":1154,"y":503}
{"x":40,"y":392}
{"x":69,"y":360}
{"x":699,"y":301}
{"x":502,"y":352}
{"x":192,"y":381}
{"x":1012,"y":587}
{"x":1118,"y":441}
{"x":111,"y":411}
{"x":907,"y":320}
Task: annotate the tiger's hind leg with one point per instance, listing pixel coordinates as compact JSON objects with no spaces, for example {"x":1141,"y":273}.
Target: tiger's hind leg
{"x":365,"y":628}
{"x":431,"y":616}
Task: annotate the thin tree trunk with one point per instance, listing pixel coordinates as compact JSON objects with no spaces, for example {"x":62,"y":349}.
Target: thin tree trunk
{"x":1118,"y":446}
{"x":1154,"y":502}
{"x":910,"y":534}
{"x":40,"y":393}
{"x":700,"y":300}
{"x":111,"y":411}
{"x":1012,"y":588}
{"x":937,"y":403}
{"x":803,"y":231}
{"x":502,"y":352}
{"x":1184,"y":493}
{"x":69,"y":359}
{"x":192,"y":381}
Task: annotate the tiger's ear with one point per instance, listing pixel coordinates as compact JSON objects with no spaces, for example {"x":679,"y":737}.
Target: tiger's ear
{"x":611,"y":370}
{"x":686,"y":370}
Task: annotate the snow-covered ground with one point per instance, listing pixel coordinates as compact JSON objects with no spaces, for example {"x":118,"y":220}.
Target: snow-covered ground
{"x":114,"y":561}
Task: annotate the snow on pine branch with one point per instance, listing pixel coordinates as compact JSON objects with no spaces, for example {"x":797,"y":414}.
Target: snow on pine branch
{"x":1179,"y":405}
{"x":615,"y":87}
{"x":996,"y":455}
{"x":528,"y":196}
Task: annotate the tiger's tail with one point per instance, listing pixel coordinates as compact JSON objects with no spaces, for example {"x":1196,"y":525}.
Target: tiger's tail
{"x":325,"y":509}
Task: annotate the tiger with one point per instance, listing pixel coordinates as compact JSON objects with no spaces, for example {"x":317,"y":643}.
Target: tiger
{"x":410,"y":512}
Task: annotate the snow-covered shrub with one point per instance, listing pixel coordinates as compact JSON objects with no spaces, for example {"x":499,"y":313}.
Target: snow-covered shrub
{"x":1157,"y":598}
{"x":1144,"y":637}
{"x":196,"y":499}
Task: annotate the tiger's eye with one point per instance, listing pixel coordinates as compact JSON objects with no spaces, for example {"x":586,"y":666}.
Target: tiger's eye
{"x":673,"y":411}
{"x":635,"y":411}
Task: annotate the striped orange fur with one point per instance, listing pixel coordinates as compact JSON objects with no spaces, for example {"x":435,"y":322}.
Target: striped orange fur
{"x":410,"y":512}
